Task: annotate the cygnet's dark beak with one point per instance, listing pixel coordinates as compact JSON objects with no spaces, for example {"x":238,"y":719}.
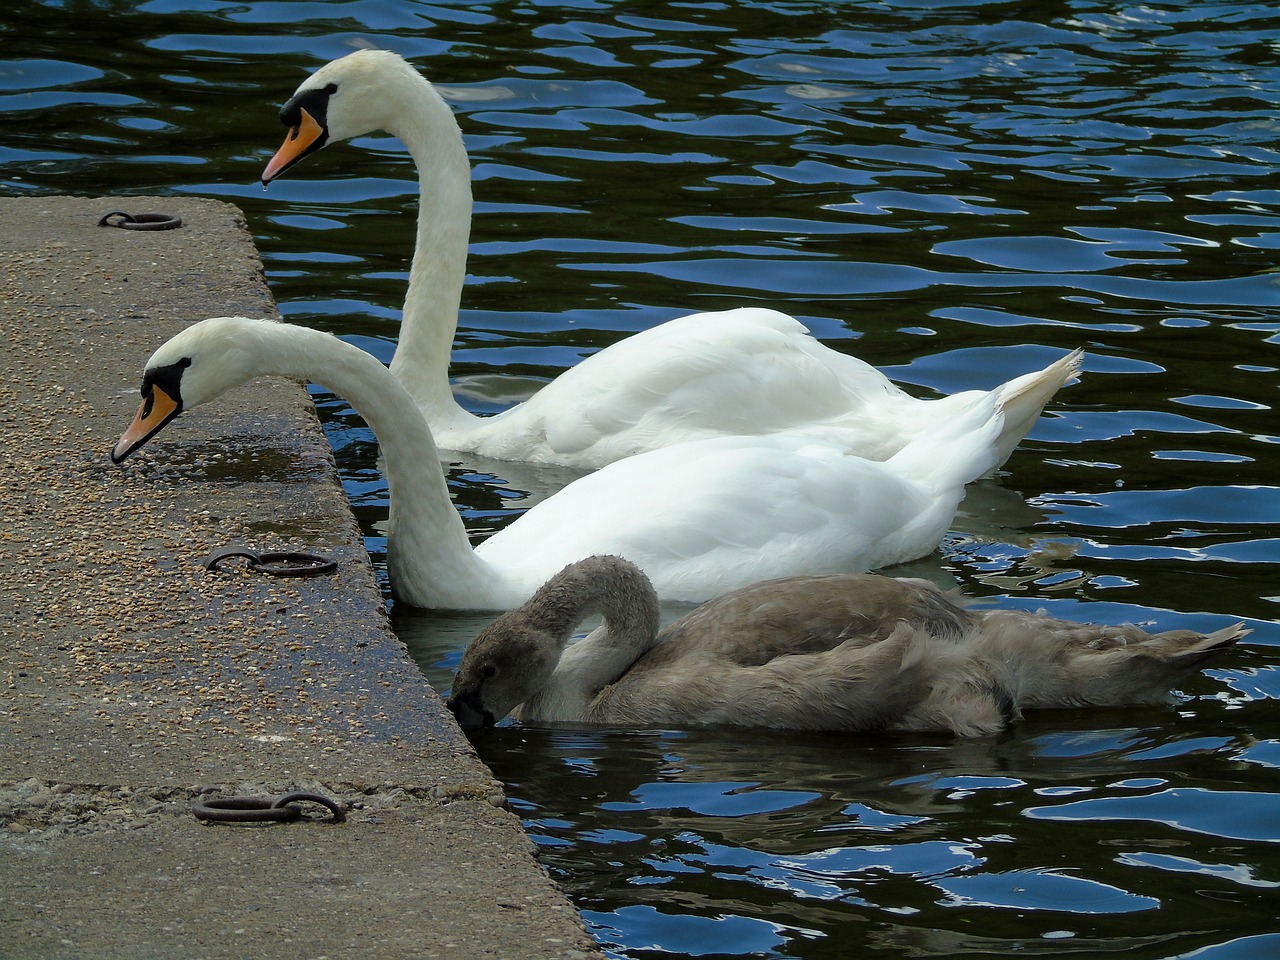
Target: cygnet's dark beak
{"x":469,"y":711}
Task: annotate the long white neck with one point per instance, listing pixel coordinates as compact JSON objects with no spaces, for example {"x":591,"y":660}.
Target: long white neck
{"x":429,"y":322}
{"x":631,"y":614}
{"x":430,"y":558}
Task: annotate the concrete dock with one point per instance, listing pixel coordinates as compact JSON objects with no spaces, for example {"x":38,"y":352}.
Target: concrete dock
{"x":134,"y":682}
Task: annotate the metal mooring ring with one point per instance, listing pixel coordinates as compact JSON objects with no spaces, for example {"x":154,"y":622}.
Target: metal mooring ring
{"x":140,"y":221}
{"x":283,"y":563}
{"x":243,"y":810}
{"x":263,"y":809}
{"x":301,"y":796}
{"x":293,"y":564}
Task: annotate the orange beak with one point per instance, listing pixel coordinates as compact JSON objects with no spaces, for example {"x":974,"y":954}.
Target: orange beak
{"x":157,"y":409}
{"x":296,"y":145}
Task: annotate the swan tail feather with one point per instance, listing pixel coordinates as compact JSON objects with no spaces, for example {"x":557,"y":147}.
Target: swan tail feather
{"x":1198,"y":652}
{"x":1023,"y":399}
{"x":1058,"y":664}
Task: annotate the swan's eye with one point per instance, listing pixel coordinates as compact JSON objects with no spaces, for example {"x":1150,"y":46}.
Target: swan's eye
{"x":331,"y":89}
{"x":489,"y":672}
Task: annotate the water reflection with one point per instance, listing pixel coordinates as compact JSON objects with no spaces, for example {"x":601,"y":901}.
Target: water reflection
{"x":918,"y":839}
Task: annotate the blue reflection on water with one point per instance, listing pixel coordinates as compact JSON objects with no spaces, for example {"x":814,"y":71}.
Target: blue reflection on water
{"x":1233,"y":814}
{"x":1040,"y":890}
{"x":711,"y":799}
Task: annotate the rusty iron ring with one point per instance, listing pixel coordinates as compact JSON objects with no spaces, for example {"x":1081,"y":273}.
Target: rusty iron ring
{"x":141,"y":221}
{"x":281,"y":563}
{"x":263,"y":809}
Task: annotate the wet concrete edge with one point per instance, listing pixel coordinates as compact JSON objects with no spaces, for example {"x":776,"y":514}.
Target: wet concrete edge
{"x":135,"y":681}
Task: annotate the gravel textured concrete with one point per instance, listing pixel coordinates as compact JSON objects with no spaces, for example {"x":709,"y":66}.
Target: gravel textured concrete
{"x":134,"y":681}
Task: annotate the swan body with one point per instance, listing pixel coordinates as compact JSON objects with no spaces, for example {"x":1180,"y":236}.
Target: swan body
{"x":844,"y":652}
{"x":700,"y":518}
{"x":736,"y":372}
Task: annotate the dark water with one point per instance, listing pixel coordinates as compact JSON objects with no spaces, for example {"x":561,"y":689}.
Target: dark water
{"x":957,"y":192}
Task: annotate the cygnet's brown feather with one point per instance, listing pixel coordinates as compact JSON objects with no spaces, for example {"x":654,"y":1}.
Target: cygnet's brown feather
{"x":798,"y":615}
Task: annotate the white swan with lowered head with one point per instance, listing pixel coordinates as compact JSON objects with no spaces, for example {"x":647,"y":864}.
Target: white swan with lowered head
{"x":700,"y":518}
{"x":846,"y":652}
{"x":738,"y":372}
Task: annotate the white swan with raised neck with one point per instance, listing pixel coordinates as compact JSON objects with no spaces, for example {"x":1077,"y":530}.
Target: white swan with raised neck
{"x":745,"y":371}
{"x":700,"y":518}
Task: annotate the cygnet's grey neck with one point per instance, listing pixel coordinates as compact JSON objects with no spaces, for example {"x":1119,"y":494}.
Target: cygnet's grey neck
{"x":629,"y":605}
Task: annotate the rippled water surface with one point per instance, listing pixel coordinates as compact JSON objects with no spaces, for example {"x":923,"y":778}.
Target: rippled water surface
{"x":957,"y":192}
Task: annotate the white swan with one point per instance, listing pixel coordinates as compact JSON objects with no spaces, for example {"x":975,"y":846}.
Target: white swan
{"x":846,"y":652}
{"x":700,"y":518}
{"x":744,"y":371}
